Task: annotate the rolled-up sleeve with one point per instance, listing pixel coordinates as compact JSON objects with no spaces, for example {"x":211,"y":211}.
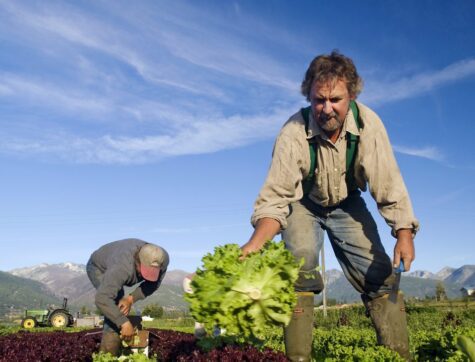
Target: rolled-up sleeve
{"x":106,"y":295}
{"x":384,"y":178}
{"x":283,"y":184}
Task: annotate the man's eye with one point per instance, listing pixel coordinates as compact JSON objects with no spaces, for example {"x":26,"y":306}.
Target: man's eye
{"x":319,"y":100}
{"x":335,"y":100}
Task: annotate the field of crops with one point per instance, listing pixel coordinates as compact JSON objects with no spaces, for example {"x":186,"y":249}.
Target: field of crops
{"x":344,"y":335}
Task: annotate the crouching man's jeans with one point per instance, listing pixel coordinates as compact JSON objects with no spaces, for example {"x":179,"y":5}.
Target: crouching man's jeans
{"x":355,"y":240}
{"x":95,"y":276}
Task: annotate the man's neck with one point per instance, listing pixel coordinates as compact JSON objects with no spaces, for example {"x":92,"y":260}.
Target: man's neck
{"x":333,"y":135}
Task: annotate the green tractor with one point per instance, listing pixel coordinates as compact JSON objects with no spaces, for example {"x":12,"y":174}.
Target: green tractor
{"x":51,"y":317}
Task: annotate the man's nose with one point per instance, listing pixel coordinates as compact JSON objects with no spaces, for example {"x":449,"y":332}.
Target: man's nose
{"x":327,"y":107}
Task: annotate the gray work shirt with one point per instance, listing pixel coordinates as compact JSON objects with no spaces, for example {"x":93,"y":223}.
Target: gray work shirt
{"x":375,"y":166}
{"x":116,"y":262}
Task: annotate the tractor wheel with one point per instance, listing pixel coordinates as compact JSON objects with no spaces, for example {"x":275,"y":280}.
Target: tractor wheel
{"x":59,"y":320}
{"x":29,"y":322}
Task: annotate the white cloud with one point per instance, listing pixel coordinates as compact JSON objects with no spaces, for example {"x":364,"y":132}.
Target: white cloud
{"x":229,"y":56}
{"x":429,"y":152}
{"x":40,"y":92}
{"x":394,"y":90}
{"x":153,"y":49}
{"x":197,"y":137}
{"x":5,"y":90}
{"x":173,"y":72}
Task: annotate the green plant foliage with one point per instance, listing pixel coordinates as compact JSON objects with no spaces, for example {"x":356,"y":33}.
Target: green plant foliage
{"x":430,"y":338}
{"x":467,"y":346}
{"x":12,"y":330}
{"x":208,"y":343}
{"x":350,"y":344}
{"x":84,"y":310}
{"x":352,"y":317}
{"x":107,"y":357}
{"x":440,"y":344}
{"x":435,"y":335}
{"x":103,"y":357}
{"x":243,"y":296}
{"x":153,"y":310}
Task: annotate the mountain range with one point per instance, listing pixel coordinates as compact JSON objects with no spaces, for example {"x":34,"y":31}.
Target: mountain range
{"x":44,"y":284}
{"x":417,"y":284}
{"x":50,"y":283}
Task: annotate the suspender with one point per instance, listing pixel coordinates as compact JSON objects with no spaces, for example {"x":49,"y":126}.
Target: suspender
{"x":351,"y":149}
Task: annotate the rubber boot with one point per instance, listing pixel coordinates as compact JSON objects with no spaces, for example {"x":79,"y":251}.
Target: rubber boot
{"x":110,"y":343}
{"x":389,"y":321}
{"x":298,"y":334}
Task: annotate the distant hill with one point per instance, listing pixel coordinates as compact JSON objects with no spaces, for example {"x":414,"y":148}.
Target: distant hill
{"x":420,"y":288}
{"x":70,"y":280}
{"x":423,"y":274}
{"x":63,"y":280}
{"x":47,"y":284}
{"x":464,"y":275}
{"x":21,"y":293}
{"x":168,"y":296}
{"x":340,"y":289}
{"x":444,"y":272}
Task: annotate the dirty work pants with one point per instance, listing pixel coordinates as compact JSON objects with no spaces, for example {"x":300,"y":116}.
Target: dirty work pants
{"x":95,"y":276}
{"x":354,"y":238}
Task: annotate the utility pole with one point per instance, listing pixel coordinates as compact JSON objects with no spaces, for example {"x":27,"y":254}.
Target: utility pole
{"x":324,"y":282}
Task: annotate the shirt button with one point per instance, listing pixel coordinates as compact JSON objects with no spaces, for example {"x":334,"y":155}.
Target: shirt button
{"x":336,"y":169}
{"x":336,"y":187}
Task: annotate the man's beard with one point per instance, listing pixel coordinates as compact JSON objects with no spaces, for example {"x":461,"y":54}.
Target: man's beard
{"x":329,"y":122}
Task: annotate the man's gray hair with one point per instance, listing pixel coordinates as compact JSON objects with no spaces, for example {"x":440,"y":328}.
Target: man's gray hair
{"x":329,"y":68}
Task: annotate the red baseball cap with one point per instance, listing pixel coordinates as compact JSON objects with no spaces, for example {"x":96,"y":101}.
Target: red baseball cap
{"x":152,"y":259}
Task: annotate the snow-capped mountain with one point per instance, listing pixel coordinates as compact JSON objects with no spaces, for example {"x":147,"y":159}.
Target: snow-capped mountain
{"x":422,"y":274}
{"x":444,"y":272}
{"x":70,"y":279}
{"x":464,"y":275}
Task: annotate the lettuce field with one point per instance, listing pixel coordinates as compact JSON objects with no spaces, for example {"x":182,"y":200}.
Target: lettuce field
{"x":80,"y":346}
{"x":344,"y":335}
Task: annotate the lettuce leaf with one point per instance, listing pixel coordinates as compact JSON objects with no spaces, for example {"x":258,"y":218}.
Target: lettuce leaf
{"x":245,"y":296}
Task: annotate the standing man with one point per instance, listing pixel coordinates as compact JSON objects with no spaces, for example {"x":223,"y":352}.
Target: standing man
{"x":118,"y":264}
{"x":304,"y":196}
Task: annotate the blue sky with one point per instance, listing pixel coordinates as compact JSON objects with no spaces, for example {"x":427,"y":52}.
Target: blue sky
{"x":156,"y":119}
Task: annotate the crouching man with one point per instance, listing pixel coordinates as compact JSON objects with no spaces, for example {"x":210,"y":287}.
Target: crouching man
{"x":118,"y":264}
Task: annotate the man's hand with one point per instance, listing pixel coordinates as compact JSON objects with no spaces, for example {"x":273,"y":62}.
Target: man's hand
{"x":250,"y":247}
{"x":404,"y":249}
{"x":127,"y":331}
{"x":266,"y":229}
{"x":187,"y":283}
{"x":125,"y":304}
